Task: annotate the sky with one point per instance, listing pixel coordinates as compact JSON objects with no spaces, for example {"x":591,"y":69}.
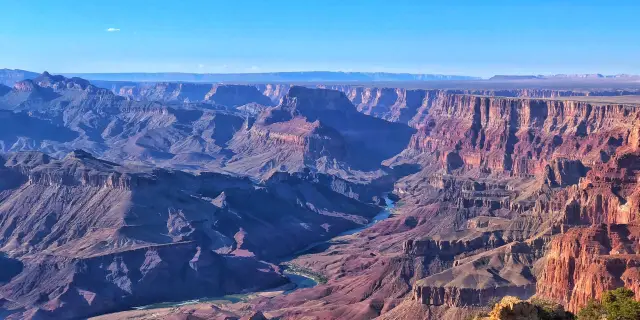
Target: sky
{"x":478,"y":38}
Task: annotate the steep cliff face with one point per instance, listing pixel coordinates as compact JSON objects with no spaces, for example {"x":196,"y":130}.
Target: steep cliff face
{"x":521,"y":136}
{"x":24,"y":91}
{"x":315,"y":128}
{"x":275,"y":92}
{"x":565,"y":163}
{"x":116,"y":198}
{"x":394,"y":104}
{"x":411,"y":105}
{"x":376,"y":138}
{"x":227,"y":95}
{"x":166,"y":91}
{"x":236,"y":95}
{"x":288,"y":146}
{"x":607,"y":194}
{"x":583,"y":263}
{"x":454,"y":247}
{"x":60,"y":83}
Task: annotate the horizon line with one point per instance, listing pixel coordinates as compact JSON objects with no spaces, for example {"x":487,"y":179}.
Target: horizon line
{"x":578,"y":75}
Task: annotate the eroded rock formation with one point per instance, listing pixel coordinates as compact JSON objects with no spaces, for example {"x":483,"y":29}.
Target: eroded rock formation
{"x":107,"y":237}
{"x":584,"y":262}
{"x":500,"y":192}
{"x":502,"y":185}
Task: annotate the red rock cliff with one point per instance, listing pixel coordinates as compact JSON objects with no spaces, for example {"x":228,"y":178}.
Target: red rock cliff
{"x":584,"y":262}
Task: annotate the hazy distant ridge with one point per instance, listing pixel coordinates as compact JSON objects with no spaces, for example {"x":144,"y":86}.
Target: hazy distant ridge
{"x":586,"y":76}
{"x":315,"y":76}
{"x":8,"y":76}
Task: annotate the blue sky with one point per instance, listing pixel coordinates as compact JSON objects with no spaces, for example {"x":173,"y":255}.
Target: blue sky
{"x":469,"y":37}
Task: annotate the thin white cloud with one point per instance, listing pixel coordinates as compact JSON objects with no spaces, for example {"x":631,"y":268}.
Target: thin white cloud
{"x":113,"y":30}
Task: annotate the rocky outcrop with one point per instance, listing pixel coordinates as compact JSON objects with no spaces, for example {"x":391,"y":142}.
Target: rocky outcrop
{"x":315,"y":128}
{"x":60,"y":83}
{"x":392,"y":104}
{"x":236,"y":95}
{"x":462,"y":131}
{"x":607,"y":194}
{"x":452,"y":248}
{"x":75,"y":115}
{"x":513,"y":308}
{"x":27,"y":90}
{"x":275,"y":92}
{"x":81,"y":168}
{"x":467,"y":297}
{"x":480,"y":278}
{"x":563,"y":172}
{"x":584,"y":158}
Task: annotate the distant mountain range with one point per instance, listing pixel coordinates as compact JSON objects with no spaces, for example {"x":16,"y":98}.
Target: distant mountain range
{"x":585,"y":76}
{"x":8,"y":77}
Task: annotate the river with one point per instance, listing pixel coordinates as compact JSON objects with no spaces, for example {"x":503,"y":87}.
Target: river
{"x":384,"y":214}
{"x":298,"y":279}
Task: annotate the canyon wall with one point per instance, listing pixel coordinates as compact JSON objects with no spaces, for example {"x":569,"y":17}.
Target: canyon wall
{"x":564,"y":164}
{"x":583,"y":263}
{"x":396,"y":104}
{"x":488,"y":183}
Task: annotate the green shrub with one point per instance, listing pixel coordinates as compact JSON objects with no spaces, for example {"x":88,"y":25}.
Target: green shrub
{"x":592,"y":311}
{"x":618,"y":304}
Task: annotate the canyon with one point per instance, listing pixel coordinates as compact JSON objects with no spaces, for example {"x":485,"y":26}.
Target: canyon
{"x":125,"y":194}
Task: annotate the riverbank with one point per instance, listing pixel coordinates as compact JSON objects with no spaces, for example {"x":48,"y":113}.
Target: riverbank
{"x":304,"y":272}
